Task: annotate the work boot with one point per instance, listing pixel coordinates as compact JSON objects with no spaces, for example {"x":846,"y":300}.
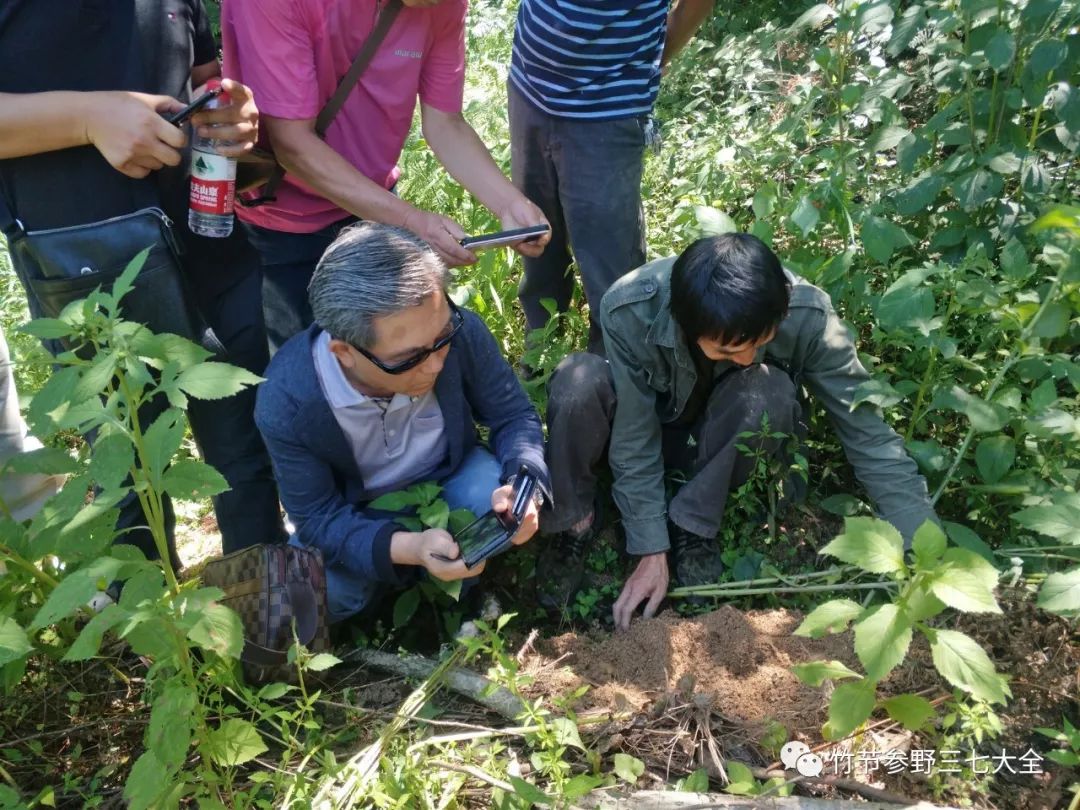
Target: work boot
{"x":560,"y":567}
{"x":697,"y":559}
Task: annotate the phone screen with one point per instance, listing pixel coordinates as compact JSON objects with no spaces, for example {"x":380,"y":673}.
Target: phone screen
{"x":485,"y":537}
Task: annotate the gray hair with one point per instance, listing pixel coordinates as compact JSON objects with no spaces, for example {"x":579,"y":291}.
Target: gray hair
{"x":372,"y":270}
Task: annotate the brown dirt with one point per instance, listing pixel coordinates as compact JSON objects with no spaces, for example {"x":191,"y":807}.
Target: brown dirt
{"x":741,"y":660}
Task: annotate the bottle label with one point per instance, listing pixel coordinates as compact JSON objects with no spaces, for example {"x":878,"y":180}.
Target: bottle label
{"x":213,"y":183}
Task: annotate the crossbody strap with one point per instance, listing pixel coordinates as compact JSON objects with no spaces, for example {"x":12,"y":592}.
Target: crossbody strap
{"x":9,"y":226}
{"x":337,"y":101}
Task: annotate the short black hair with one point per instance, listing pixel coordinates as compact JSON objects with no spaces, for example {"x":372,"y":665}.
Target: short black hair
{"x":729,"y":288}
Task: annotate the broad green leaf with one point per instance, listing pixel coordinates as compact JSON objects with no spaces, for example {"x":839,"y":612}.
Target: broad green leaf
{"x":628,"y":768}
{"x":1060,"y":593}
{"x":965,"y":538}
{"x":806,"y":215}
{"x":814,"y":17}
{"x":162,"y":440}
{"x":529,"y":792}
{"x":47,"y":328}
{"x":88,"y":643}
{"x":322,"y":661}
{"x":994,"y":457}
{"x":964,"y":664}
{"x":96,"y":377}
{"x":52,"y":401}
{"x":191,"y":480}
{"x":975,"y":564}
{"x":1053,"y":321}
{"x":985,"y":417}
{"x":871,"y":544}
{"x":697,"y":782}
{"x":219,"y":630}
{"x":1059,"y":521}
{"x":905,"y":29}
{"x":275,"y":691}
{"x":42,"y":461}
{"x":458,"y":519}
{"x":713,"y":222}
{"x":1006,"y":163}
{"x":395,"y":501}
{"x":765,"y":201}
{"x":112,"y":459}
{"x":13,"y":641}
{"x":873,"y":17}
{"x":910,"y":711}
{"x":964,"y":591}
{"x":843,"y":505}
{"x":816,"y":673}
{"x":435,"y":514}
{"x":922,"y":604}
{"x":581,"y":785}
{"x":909,"y":150}
{"x":234,"y":742}
{"x":850,"y":707}
{"x":406,"y":606}
{"x":907,"y":304}
{"x":976,"y":188}
{"x":75,"y":590}
{"x":1046,"y":55}
{"x":877,"y":392}
{"x":886,"y":138}
{"x":148,"y":780}
{"x":1000,"y":50}
{"x":1014,"y":260}
{"x":832,"y":617}
{"x":740,"y":779}
{"x":881,"y":238}
{"x":159,"y":350}
{"x":566,"y":732}
{"x":929,"y":543}
{"x":212,"y":380}
{"x":169,"y":732}
{"x":882,"y":639}
{"x":920,"y":194}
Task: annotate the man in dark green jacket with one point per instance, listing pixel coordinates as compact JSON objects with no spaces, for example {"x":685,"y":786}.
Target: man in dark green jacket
{"x":703,"y":345}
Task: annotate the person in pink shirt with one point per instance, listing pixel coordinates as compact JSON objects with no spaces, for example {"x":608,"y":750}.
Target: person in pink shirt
{"x":293,"y":53}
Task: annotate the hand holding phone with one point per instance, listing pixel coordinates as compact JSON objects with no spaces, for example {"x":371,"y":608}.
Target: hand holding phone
{"x":183,"y":115}
{"x":493,"y":532}
{"x":504,"y":238}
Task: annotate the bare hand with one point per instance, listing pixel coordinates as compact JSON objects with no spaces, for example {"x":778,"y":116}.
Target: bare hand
{"x":521,"y":213}
{"x":443,"y":234}
{"x":238,"y":122}
{"x":437,"y":543}
{"x":502,"y":500}
{"x":129,"y":131}
{"x":648,"y":582}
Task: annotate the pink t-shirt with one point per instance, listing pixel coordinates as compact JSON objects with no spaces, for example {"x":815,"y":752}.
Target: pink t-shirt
{"x":293,"y":53}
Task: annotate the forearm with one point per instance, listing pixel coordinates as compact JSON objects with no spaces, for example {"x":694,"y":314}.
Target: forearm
{"x":684,"y":19}
{"x":309,"y":158}
{"x":462,"y":153}
{"x":32,"y":123}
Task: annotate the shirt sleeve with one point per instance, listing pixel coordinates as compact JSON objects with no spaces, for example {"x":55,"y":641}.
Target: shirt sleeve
{"x":636,"y":454}
{"x":205,"y":45}
{"x":268,"y":46}
{"x":876,"y":452}
{"x":442,"y":76}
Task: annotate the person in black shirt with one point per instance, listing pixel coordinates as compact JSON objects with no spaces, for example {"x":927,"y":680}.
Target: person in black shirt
{"x":84,"y":85}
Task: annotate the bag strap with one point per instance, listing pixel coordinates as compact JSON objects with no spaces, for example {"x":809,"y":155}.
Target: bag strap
{"x":9,"y":225}
{"x":337,"y":101}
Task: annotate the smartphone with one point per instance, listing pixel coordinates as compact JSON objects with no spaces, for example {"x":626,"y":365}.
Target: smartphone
{"x":491,"y":533}
{"x":183,"y":115}
{"x":502,"y":238}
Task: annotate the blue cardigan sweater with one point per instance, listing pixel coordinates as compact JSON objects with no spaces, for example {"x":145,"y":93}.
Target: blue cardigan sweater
{"x":320,"y":485}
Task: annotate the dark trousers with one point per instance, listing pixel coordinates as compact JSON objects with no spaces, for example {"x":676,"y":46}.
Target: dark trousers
{"x":288,"y":261}
{"x":586,"y":178}
{"x":581,"y":406}
{"x":225,"y":281}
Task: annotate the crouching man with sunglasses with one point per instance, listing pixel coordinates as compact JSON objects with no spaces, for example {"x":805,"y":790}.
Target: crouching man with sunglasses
{"x":384,"y":391}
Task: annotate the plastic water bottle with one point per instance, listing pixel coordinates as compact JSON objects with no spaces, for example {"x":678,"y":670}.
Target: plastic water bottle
{"x":213,"y":180}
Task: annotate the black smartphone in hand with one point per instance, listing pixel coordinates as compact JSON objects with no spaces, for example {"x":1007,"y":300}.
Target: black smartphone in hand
{"x":491,"y":534}
{"x":504,"y":238}
{"x":183,"y":115}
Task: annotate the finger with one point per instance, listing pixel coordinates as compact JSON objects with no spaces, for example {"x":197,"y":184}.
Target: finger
{"x":132,"y":169}
{"x":653,"y":604}
{"x":476,"y":570}
{"x":453,"y":228}
{"x":449,"y":571}
{"x":232,"y":130}
{"x":621,"y":612}
{"x":169,"y":134}
{"x":500,"y":499}
{"x":453,"y":253}
{"x":239,"y":92}
{"x":235,"y":150}
{"x":166,"y":105}
{"x":530,"y":249}
{"x":146,"y":162}
{"x":163,"y":154}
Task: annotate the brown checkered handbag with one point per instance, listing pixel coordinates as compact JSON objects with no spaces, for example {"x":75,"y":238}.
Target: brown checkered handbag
{"x":271,"y":587}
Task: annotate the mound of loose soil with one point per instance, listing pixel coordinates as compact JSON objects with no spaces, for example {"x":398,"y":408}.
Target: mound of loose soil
{"x":742,"y":660}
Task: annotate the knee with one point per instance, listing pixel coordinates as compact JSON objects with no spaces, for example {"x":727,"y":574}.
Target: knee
{"x":580,"y":380}
{"x":763,"y":389}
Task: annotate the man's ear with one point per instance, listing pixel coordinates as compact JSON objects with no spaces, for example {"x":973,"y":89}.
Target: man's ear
{"x":343,"y":352}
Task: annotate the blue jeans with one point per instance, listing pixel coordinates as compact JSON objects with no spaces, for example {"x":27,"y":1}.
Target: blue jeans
{"x":468,"y":487}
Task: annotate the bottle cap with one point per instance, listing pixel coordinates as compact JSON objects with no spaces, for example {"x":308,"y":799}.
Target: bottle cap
{"x":215,"y":84}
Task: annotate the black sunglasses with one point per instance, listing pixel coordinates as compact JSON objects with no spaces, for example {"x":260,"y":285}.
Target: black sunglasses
{"x":457,"y":320}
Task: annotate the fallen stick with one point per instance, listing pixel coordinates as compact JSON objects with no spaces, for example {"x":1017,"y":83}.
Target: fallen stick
{"x":465,"y":682}
{"x":849,"y":785}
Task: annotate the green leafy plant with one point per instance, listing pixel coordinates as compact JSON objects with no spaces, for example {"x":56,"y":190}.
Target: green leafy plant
{"x":938,"y":577}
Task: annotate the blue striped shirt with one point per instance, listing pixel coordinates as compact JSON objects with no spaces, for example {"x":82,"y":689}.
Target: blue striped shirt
{"x":592,"y":59}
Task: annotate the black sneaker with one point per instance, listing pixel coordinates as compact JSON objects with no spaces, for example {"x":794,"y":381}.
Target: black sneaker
{"x":560,"y":567}
{"x":696,"y":558}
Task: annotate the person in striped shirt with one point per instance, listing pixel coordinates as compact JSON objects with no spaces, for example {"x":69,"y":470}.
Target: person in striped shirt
{"x":584,"y":75}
